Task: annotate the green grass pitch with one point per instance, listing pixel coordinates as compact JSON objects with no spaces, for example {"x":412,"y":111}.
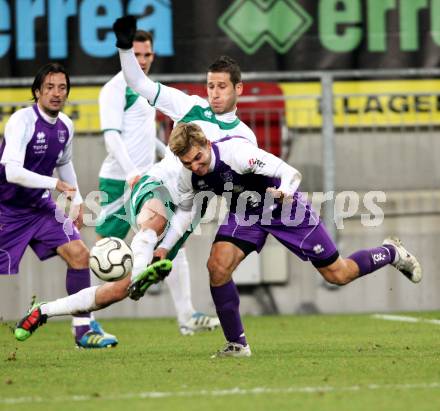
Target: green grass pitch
{"x":327,"y":362}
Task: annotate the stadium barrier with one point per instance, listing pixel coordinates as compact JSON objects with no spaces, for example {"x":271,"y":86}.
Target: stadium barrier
{"x":351,"y":131}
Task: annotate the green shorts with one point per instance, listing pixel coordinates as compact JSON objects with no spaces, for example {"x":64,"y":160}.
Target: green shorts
{"x":145,"y":190}
{"x":120,"y":213}
{"x":113,"y":220}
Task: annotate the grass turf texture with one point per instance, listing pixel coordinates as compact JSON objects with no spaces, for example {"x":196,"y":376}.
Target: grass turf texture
{"x":345,"y":362}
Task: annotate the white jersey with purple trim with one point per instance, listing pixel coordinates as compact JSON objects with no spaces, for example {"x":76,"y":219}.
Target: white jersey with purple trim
{"x":231,"y":159}
{"x":127,"y":112}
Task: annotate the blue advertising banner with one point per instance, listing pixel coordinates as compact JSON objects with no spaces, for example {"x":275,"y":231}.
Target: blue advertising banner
{"x":263,"y":35}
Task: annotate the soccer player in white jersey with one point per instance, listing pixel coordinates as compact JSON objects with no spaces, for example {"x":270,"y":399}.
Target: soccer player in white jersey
{"x":129,"y":128}
{"x":216,"y":116}
{"x":38,"y":140}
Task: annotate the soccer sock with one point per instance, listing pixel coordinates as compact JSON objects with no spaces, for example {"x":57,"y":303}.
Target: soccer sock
{"x":372,"y":259}
{"x":179,"y":283}
{"x":142,"y":246}
{"x":76,"y":280}
{"x":227,"y":303}
{"x":80,"y":302}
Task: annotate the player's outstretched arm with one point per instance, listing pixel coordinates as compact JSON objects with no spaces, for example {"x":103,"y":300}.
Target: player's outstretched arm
{"x":124,"y":29}
{"x":170,"y":101}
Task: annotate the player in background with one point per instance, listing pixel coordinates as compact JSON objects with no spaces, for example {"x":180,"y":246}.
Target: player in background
{"x":264,"y":201}
{"x":129,"y":128}
{"x":38,"y":140}
{"x":216,"y":116}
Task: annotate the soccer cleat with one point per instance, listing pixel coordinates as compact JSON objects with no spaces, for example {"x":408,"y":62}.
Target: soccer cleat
{"x":154,"y":273}
{"x":232,"y":349}
{"x":93,"y":339}
{"x":407,"y":264}
{"x":199,"y":322}
{"x":96,"y":327}
{"x":30,"y":322}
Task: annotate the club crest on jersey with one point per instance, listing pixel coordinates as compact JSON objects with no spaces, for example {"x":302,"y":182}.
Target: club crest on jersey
{"x":208,"y":113}
{"x":62,"y":136}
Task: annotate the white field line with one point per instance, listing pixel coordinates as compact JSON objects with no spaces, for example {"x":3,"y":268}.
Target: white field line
{"x":221,"y":393}
{"x":406,"y":319}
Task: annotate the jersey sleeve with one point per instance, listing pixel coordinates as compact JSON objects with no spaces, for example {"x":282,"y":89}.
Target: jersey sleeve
{"x":185,"y":190}
{"x":111,"y":106}
{"x":246,"y":158}
{"x":175,"y":103}
{"x":18,"y":133}
{"x":170,"y":101}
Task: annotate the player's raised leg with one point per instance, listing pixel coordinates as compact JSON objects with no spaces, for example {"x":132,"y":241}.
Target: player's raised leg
{"x":367,"y":261}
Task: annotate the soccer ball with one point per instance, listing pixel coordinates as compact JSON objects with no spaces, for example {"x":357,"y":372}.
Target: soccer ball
{"x":111,"y":259}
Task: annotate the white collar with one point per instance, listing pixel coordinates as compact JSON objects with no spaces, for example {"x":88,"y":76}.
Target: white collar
{"x":49,"y":119}
{"x":227,"y":117}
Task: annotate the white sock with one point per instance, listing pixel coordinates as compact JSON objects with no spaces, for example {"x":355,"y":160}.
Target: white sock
{"x":81,"y":302}
{"x":179,"y":283}
{"x":142,"y":246}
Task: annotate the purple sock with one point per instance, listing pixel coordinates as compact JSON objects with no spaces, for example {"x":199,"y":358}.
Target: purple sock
{"x":77,"y":280}
{"x":227,"y":302}
{"x":80,"y":330}
{"x":374,"y":258}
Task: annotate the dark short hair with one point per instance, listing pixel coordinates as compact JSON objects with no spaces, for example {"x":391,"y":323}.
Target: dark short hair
{"x":225,"y":64}
{"x":43,"y":72}
{"x":142,"y":35}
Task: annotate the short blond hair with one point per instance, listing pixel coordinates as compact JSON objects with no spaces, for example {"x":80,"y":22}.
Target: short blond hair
{"x":184,"y":136}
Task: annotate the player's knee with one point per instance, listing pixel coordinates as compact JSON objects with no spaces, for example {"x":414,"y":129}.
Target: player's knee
{"x":219,"y":274}
{"x":79,"y":256}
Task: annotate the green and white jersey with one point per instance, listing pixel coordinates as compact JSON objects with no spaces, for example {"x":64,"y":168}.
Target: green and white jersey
{"x":124,"y":110}
{"x":194,"y":109}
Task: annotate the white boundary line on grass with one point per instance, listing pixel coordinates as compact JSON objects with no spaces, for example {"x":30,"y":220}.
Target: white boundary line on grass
{"x":221,"y":393}
{"x":405,"y":318}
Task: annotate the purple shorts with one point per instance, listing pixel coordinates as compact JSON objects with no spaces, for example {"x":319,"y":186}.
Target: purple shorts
{"x":43,"y":229}
{"x":305,"y":235}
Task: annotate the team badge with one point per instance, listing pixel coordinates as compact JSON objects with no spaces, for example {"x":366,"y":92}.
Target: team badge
{"x":62,"y":136}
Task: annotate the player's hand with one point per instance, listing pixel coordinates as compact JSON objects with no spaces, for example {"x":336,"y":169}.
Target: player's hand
{"x":280,"y":196}
{"x":133,"y":181}
{"x":66,"y":188}
{"x":124,"y":29}
{"x":161,"y":253}
{"x":77,"y":215}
